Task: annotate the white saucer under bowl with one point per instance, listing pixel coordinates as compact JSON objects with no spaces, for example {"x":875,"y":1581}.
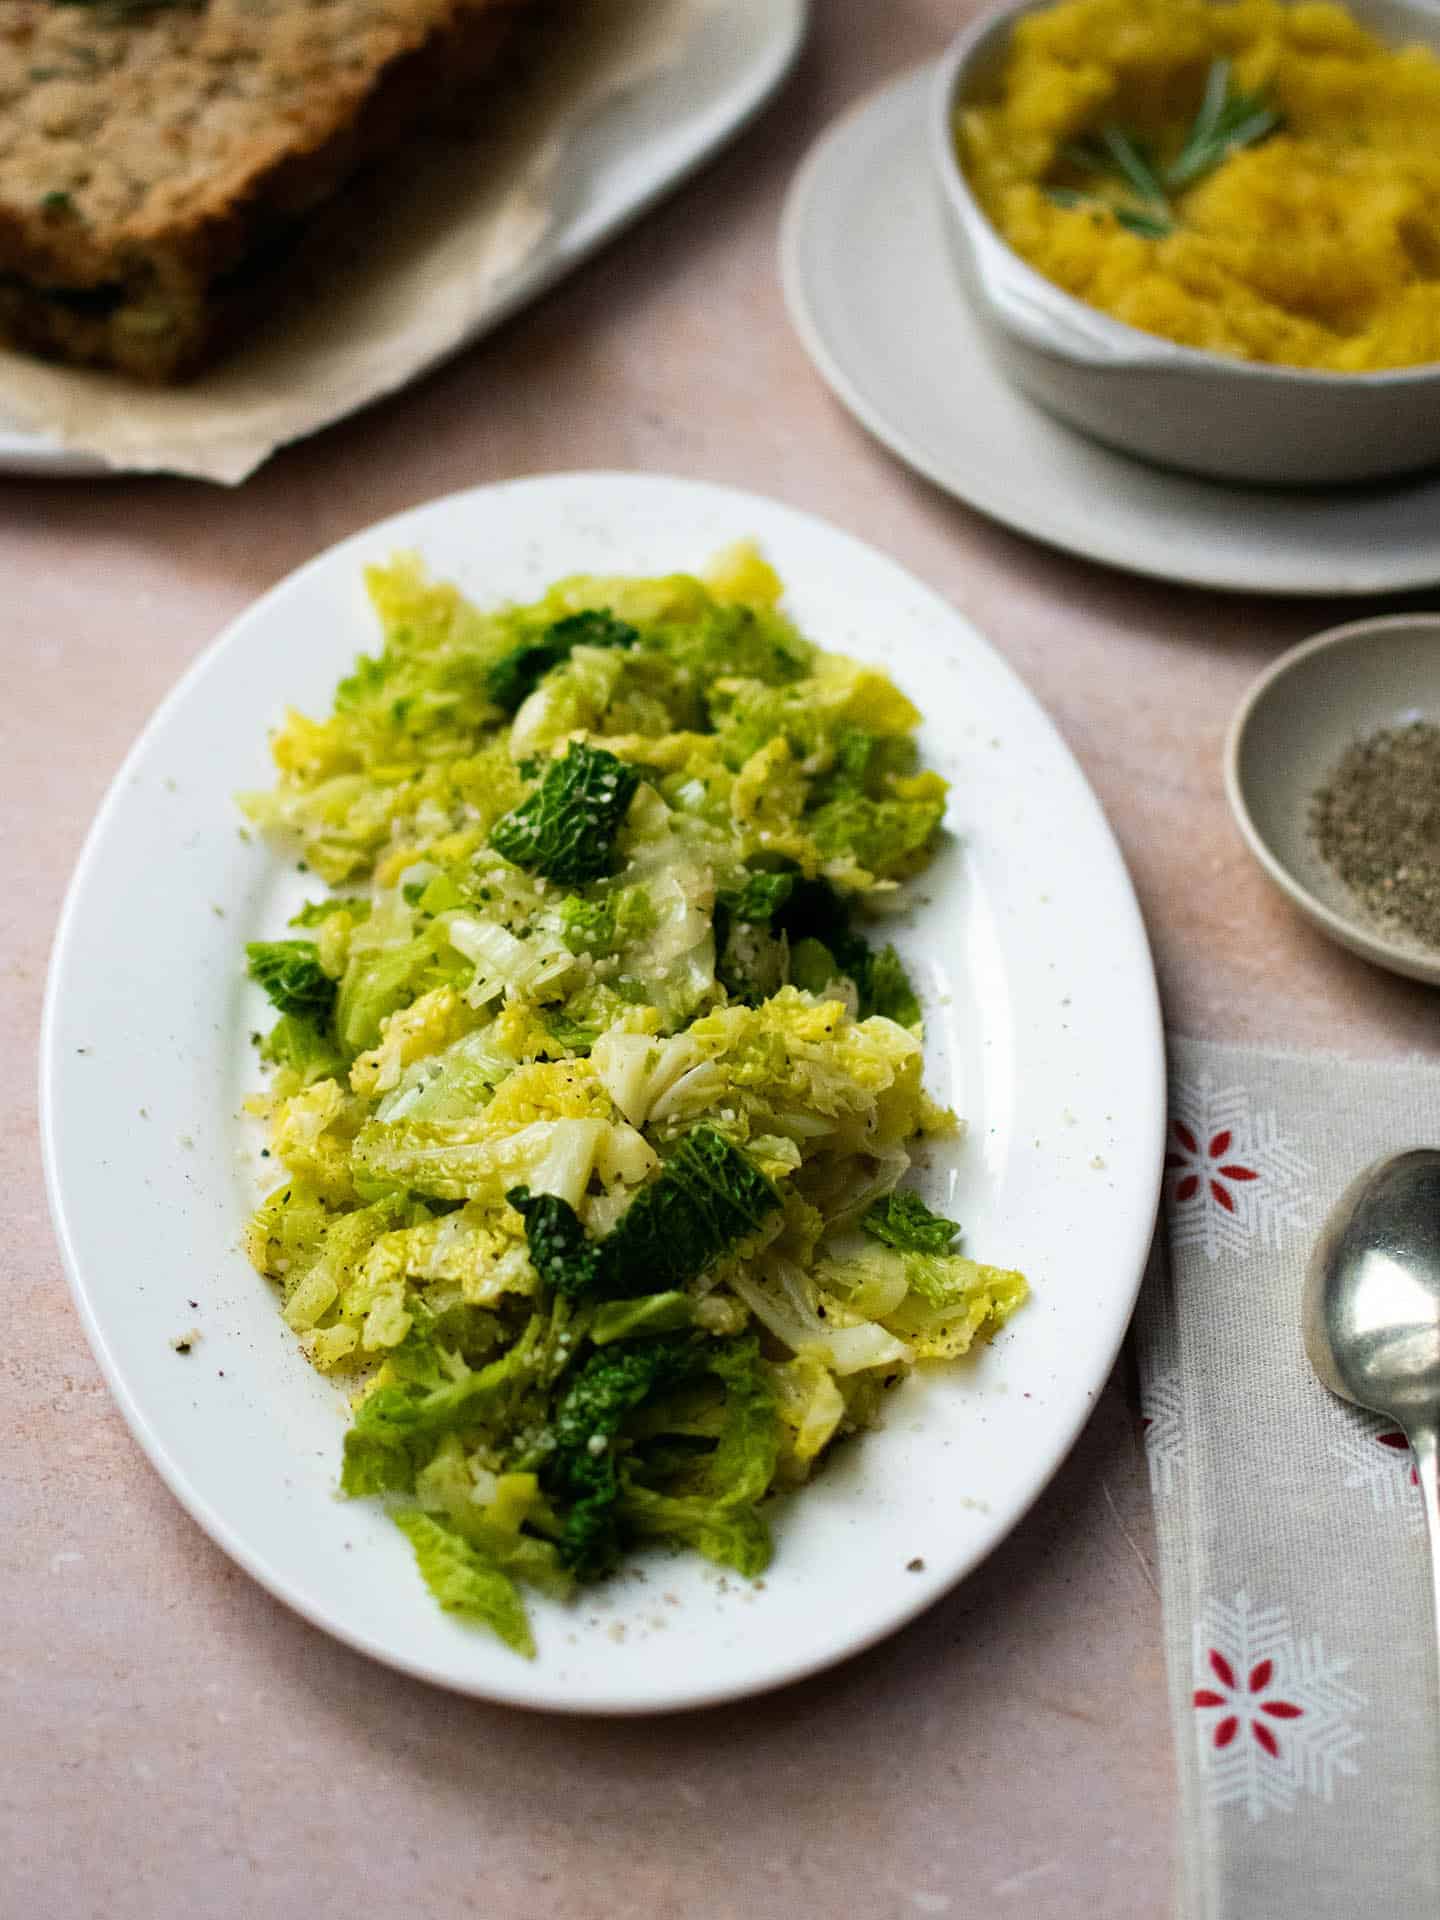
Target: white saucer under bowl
{"x":880,"y":307}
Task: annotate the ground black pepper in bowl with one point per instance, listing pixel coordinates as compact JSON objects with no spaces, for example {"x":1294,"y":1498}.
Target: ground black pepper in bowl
{"x":1376,"y":823}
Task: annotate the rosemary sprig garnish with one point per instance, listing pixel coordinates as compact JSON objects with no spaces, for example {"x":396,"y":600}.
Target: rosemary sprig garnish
{"x":1148,"y":225}
{"x":1121,"y":154}
{"x":1224,"y":124}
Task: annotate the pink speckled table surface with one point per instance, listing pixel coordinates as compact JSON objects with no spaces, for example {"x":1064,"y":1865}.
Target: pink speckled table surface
{"x":175,"y":1742}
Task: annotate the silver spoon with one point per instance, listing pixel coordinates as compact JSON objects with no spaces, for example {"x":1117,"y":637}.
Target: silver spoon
{"x":1371,"y":1313}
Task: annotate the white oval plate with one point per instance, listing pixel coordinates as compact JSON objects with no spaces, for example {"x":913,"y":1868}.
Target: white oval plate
{"x":1044,"y":1028}
{"x":881,"y":310}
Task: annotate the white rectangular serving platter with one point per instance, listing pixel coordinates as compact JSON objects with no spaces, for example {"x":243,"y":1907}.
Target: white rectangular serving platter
{"x":644,"y":142}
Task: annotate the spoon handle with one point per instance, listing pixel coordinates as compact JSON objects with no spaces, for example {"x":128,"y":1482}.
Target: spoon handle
{"x":1425,"y":1445}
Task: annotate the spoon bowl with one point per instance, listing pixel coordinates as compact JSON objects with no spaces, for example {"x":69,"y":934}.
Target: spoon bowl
{"x":1372,"y":1295}
{"x":1371,"y":1310}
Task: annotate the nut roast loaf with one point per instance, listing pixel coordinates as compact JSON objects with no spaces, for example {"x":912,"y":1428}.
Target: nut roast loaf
{"x":161,"y":159}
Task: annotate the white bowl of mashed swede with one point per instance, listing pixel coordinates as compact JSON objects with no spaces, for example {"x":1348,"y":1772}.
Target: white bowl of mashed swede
{"x":1208,"y":412}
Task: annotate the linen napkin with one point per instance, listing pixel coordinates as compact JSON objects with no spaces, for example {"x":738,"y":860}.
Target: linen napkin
{"x":1298,"y":1622}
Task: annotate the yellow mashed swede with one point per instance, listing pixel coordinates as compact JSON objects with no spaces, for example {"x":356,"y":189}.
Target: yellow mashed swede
{"x":1318,"y":247}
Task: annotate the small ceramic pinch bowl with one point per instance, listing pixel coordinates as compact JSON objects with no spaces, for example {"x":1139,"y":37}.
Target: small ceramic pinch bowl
{"x":1181,"y":407}
{"x":1287,"y":739}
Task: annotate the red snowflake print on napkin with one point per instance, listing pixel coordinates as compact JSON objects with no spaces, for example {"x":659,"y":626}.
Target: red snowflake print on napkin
{"x":1245,"y":1706}
{"x":1231,"y":1176}
{"x":1375,"y":1459}
{"x":1208,"y":1168}
{"x":1398,"y":1442}
{"x":1274,"y":1718}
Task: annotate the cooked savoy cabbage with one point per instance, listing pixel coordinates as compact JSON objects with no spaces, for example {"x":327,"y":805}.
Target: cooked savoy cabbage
{"x":593,"y":1087}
